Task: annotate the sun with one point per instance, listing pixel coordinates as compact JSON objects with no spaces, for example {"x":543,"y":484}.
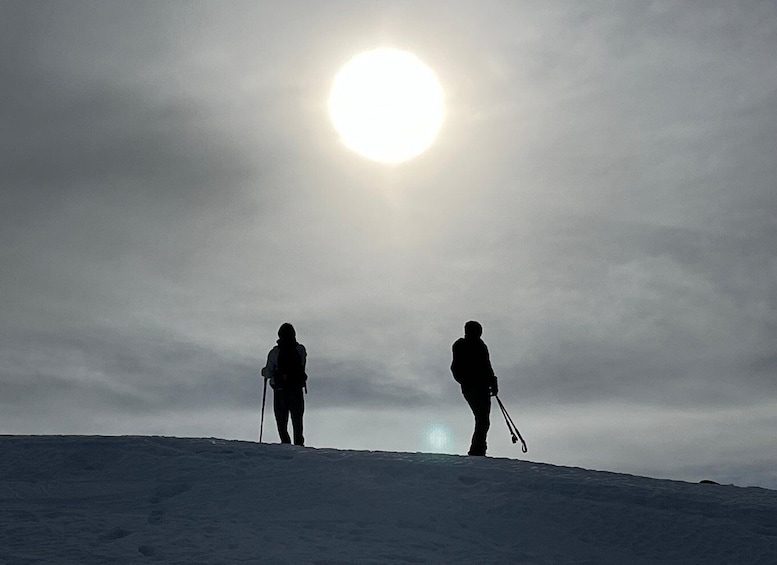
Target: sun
{"x":386,"y":105}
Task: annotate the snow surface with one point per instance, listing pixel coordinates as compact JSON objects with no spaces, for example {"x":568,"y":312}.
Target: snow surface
{"x":85,"y":499}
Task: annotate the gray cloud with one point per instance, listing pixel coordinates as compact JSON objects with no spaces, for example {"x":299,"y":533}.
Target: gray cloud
{"x":125,"y":373}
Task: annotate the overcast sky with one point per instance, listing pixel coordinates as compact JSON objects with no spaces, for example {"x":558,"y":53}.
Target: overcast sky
{"x":602,"y":197}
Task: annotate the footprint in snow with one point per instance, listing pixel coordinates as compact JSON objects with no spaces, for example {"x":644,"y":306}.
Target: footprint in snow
{"x":156,"y":517}
{"x":168,"y":491}
{"x":114,"y":534}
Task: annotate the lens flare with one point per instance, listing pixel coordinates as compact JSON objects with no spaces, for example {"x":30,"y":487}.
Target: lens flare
{"x":437,"y":438}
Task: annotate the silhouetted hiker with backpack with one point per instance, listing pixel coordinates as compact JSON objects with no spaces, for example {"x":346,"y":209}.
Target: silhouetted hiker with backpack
{"x":286,"y":371}
{"x":471,"y":367}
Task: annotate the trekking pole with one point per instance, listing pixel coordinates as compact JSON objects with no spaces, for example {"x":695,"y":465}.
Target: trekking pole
{"x":516,"y":435}
{"x":264,"y":397}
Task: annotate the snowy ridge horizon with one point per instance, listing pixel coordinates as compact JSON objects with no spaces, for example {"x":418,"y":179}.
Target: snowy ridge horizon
{"x":137,"y":499}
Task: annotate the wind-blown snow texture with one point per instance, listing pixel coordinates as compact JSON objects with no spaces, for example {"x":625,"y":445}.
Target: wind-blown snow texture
{"x":164,"y":500}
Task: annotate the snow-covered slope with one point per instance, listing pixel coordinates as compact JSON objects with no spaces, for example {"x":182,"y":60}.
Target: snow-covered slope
{"x":164,"y":500}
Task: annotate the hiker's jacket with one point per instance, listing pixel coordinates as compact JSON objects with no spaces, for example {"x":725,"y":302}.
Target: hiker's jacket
{"x":471,"y":366}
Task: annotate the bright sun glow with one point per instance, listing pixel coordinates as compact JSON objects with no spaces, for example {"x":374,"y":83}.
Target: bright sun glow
{"x":387,"y":105}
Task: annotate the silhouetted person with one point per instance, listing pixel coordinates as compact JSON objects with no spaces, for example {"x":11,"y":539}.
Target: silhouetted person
{"x":286,"y":371}
{"x":471,"y":367}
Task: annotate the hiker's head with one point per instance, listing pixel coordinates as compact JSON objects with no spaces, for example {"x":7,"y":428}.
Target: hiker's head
{"x":287,"y":332}
{"x":473,"y":329}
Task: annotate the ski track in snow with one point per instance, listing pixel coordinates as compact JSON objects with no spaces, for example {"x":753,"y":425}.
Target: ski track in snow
{"x":94,"y":500}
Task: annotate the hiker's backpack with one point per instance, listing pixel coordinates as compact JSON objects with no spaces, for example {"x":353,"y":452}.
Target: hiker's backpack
{"x":290,"y":373}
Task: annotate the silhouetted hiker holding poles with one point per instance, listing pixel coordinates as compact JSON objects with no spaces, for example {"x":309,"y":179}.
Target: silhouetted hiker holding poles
{"x":471,"y":367}
{"x":286,"y":372}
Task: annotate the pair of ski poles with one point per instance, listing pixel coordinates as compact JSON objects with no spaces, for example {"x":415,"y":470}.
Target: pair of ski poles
{"x":516,"y":435}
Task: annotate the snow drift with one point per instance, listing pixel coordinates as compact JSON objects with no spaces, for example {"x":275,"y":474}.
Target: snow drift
{"x":165,"y":500}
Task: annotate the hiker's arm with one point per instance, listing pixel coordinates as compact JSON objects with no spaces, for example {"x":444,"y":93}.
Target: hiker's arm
{"x":272,"y":364}
{"x":493,"y":384}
